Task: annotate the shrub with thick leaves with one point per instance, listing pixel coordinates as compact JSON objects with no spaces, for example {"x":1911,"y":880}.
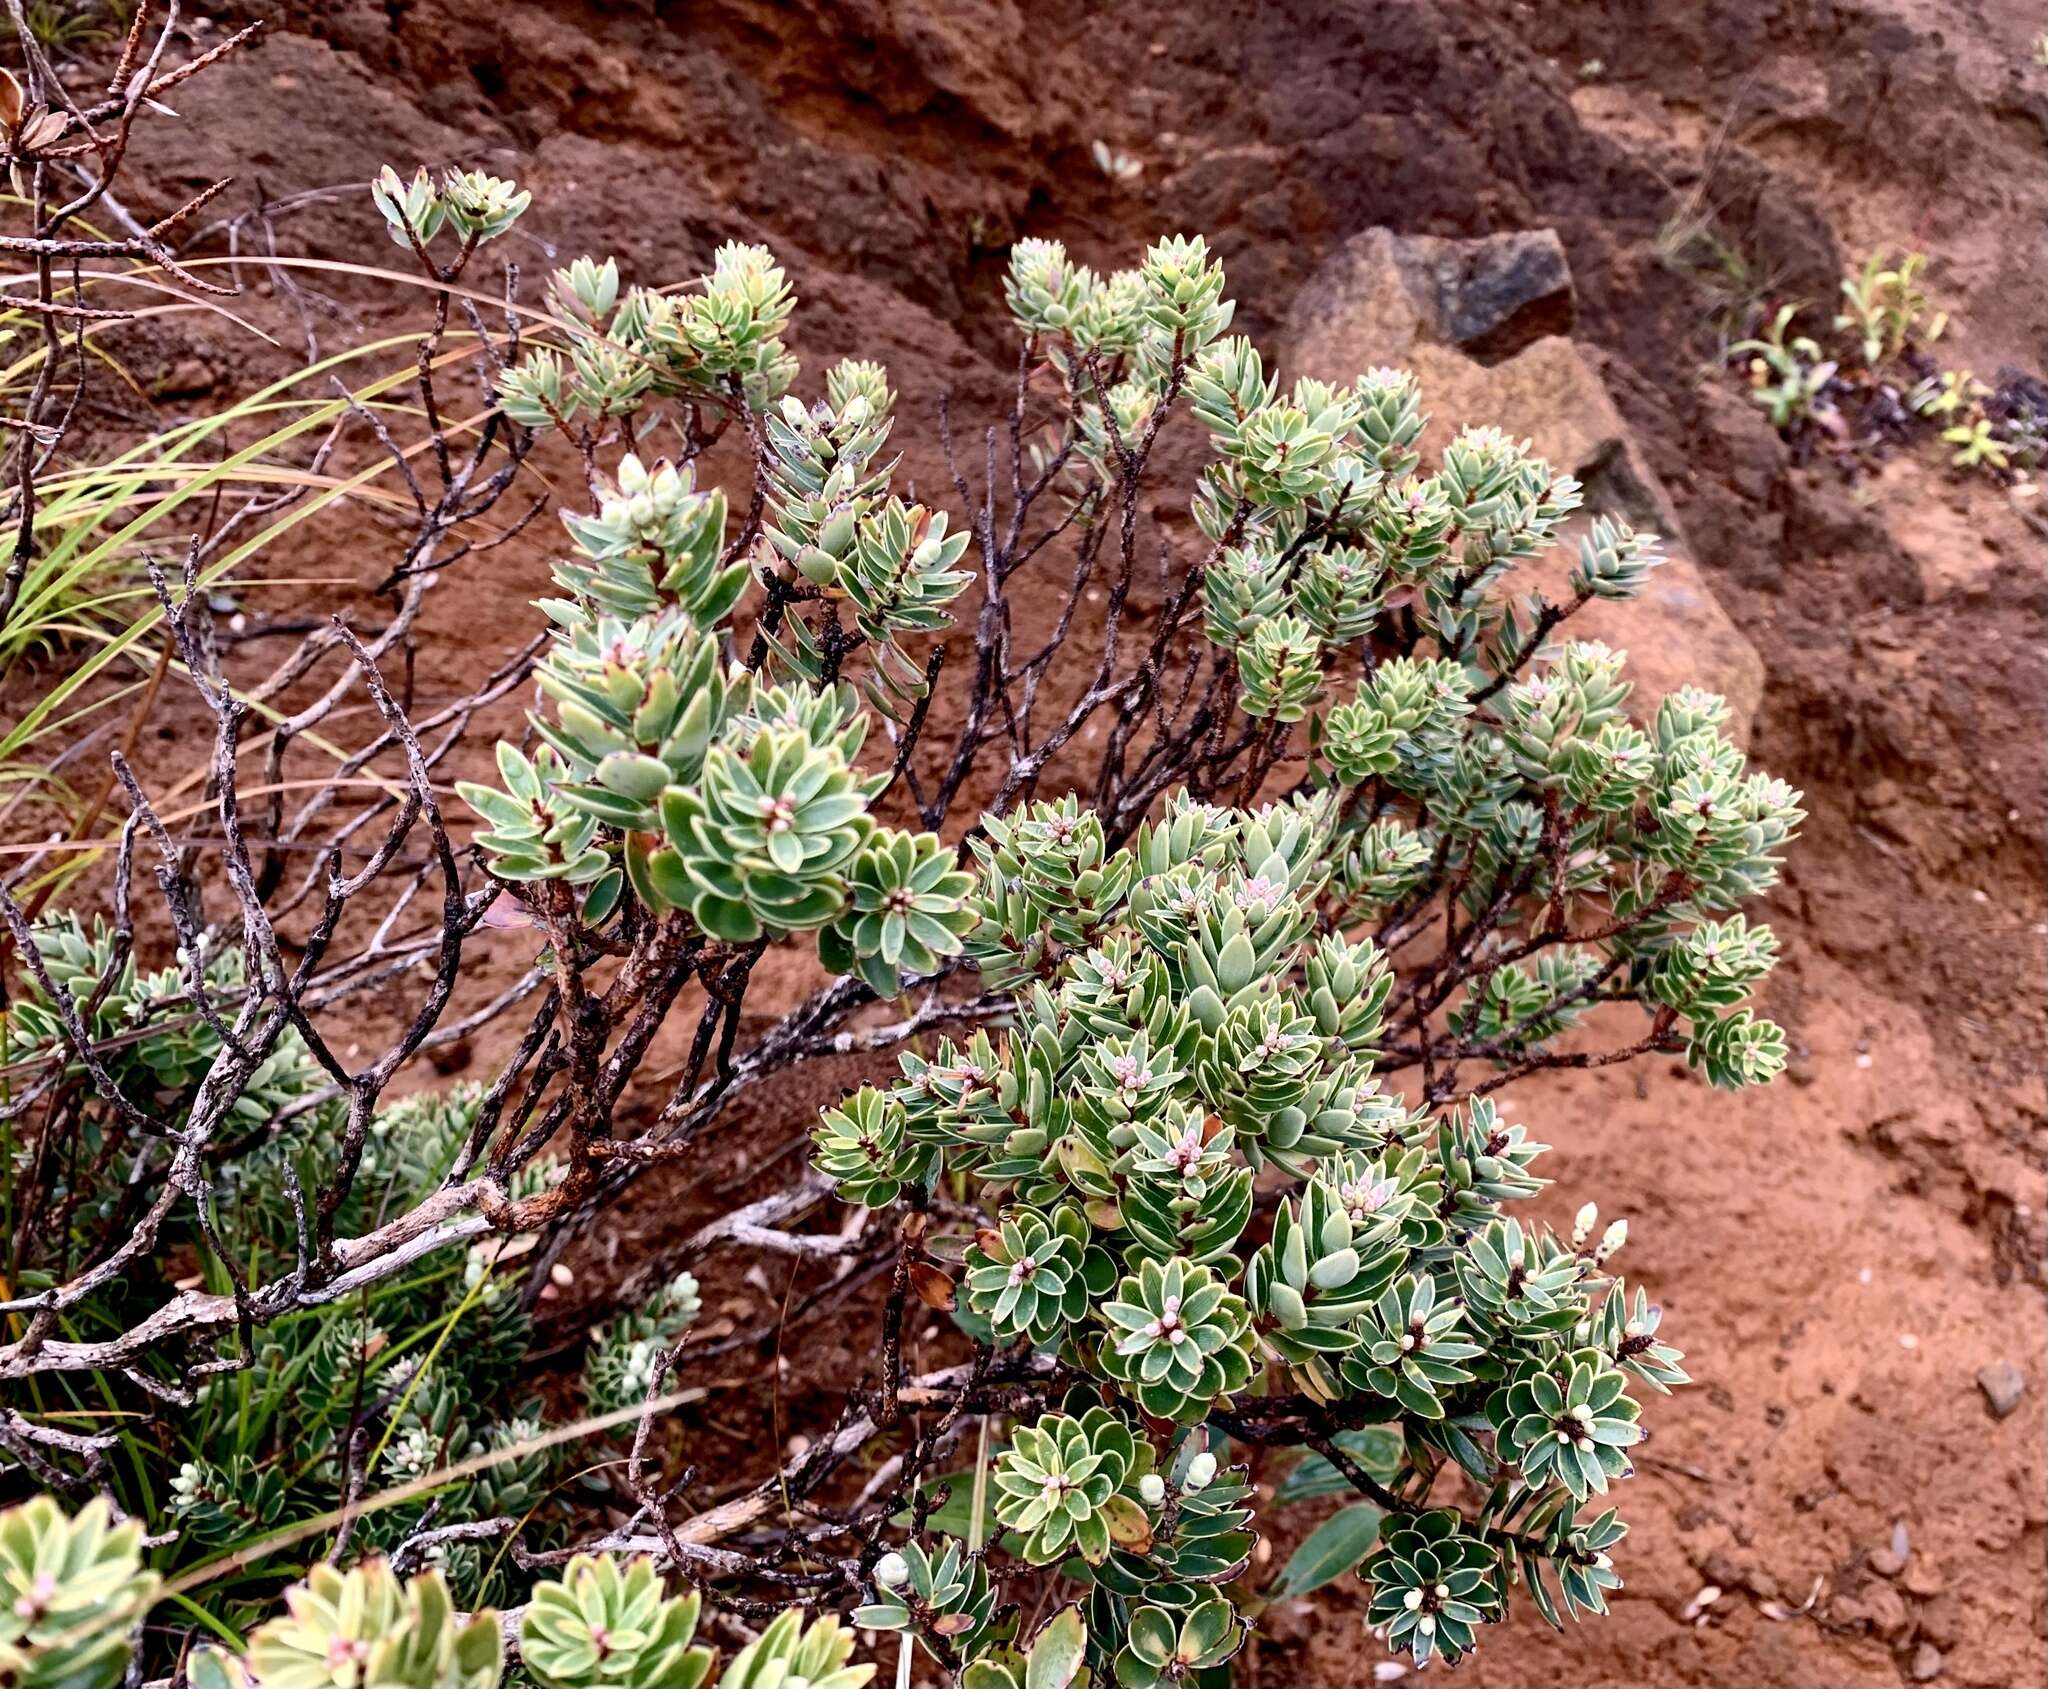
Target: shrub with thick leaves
{"x":364,"y":1628}
{"x":602,"y":1627}
{"x":1412,"y":1347}
{"x":1198,"y":998}
{"x":73,"y":1593}
{"x":1061,"y":1482}
{"x":1569,"y":1415}
{"x":1186,"y":1027}
{"x":1178,"y":1338}
{"x":1321,"y":1270}
{"x":945,"y":1596}
{"x":1033,"y":1279}
{"x":1165,"y":1646}
{"x":669,"y":770}
{"x":73,"y":1596}
{"x":791,"y":1654}
{"x":653,"y":542}
{"x":861,"y":1146}
{"x":1433,"y":1587}
{"x":1181,"y":999}
{"x":906,"y":911}
{"x":624,"y":1352}
{"x":1054,"y":1658}
{"x":759,"y":844}
{"x":471,"y":204}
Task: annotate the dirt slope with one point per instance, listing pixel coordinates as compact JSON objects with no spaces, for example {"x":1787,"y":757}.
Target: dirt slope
{"x":1840,"y":1254}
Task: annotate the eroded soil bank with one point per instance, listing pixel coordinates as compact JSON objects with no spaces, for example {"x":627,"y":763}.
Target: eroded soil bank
{"x":1841,"y":1254}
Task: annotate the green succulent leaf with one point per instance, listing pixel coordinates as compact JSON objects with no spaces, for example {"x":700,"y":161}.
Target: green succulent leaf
{"x":1332,"y":1549}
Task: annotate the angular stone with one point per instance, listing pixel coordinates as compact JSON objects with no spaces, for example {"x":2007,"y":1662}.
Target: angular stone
{"x":2003,"y":1384}
{"x":1393,"y":299}
{"x":1381,"y":292}
{"x":1495,"y":295}
{"x":1356,"y":313}
{"x":1675,"y":632}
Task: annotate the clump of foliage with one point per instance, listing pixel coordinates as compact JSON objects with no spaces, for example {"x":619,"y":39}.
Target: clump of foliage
{"x":78,"y":1594}
{"x":1875,"y":380}
{"x":1338,"y":807}
{"x":378,"y":1391}
{"x":1212,"y":999}
{"x":72,"y":1594}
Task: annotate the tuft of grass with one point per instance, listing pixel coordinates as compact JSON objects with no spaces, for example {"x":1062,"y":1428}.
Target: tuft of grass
{"x":61,"y":25}
{"x":95,"y":523}
{"x":1738,"y":286}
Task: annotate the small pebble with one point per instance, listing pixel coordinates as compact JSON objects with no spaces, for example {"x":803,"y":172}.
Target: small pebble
{"x":1927,"y":1663}
{"x":2003,"y":1384}
{"x":1923,"y":1578}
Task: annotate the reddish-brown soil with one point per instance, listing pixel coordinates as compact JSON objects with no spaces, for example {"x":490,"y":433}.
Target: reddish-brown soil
{"x":1839,"y":1254}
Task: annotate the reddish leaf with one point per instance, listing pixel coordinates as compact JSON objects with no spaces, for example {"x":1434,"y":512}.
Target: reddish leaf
{"x":931,"y":1287}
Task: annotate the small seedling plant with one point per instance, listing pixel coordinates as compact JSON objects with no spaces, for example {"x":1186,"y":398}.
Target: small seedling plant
{"x":1191,"y":985}
{"x":1876,"y":381}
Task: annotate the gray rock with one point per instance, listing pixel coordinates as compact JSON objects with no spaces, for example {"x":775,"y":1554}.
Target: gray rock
{"x":1927,"y":1663}
{"x":2003,"y":1384}
{"x":1495,"y":296}
{"x":1381,"y":292}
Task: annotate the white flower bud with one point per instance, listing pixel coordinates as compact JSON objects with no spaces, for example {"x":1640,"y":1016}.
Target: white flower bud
{"x":1582,"y":1226}
{"x":892,"y":1571}
{"x":1412,"y":1600}
{"x":1200,"y":1471}
{"x":1152,"y":1489}
{"x":1611,"y":1240}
